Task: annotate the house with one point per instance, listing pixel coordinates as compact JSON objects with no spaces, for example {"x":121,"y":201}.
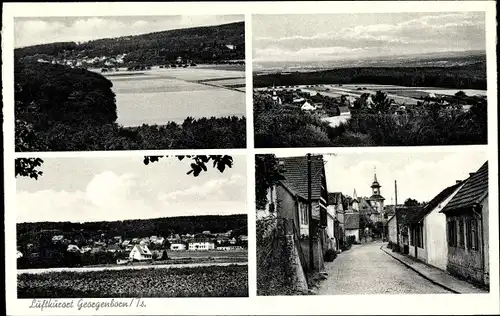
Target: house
{"x":206,"y":232}
{"x":201,"y":244}
{"x":177,"y":246}
{"x":86,"y":249}
{"x":351,"y":225}
{"x":243,"y":238}
{"x":140,"y":253}
{"x":73,"y":248}
{"x":19,"y":254}
{"x":125,"y":243}
{"x":159,"y":241}
{"x":57,"y":238}
{"x":221,"y":240}
{"x":113,"y":248}
{"x":428,"y":230}
{"x":118,"y":239}
{"x":232,"y":241}
{"x":467,"y":216}
{"x":391,"y":230}
{"x":403,"y":216}
{"x":335,"y":216}
{"x":307,"y":107}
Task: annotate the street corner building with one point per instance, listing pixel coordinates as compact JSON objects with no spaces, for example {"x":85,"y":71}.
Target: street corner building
{"x":451,"y":232}
{"x":286,"y":217}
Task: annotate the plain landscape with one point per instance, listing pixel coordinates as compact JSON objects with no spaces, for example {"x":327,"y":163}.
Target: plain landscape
{"x":182,"y":88}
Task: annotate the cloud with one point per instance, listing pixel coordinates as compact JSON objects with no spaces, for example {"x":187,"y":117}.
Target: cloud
{"x":427,"y":33}
{"x":112,"y":196}
{"x":216,"y":189}
{"x":31,"y":31}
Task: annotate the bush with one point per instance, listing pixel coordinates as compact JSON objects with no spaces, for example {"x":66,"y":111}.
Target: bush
{"x":396,"y":248}
{"x":330,"y":255}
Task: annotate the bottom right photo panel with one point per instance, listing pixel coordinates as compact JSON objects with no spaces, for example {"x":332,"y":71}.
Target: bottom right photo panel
{"x":372,"y":223}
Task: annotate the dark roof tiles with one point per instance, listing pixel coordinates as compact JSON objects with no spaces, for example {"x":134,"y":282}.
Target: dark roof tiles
{"x":295,"y":173}
{"x":474,"y":189}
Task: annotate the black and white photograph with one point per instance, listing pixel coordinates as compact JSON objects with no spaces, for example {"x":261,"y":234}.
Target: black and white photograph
{"x":373,"y":223}
{"x":369,"y":79}
{"x":131,"y":227}
{"x":129,"y":82}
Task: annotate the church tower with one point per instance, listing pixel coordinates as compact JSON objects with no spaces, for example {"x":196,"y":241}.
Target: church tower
{"x":355,"y":202}
{"x":275,"y":97}
{"x":377,"y":200}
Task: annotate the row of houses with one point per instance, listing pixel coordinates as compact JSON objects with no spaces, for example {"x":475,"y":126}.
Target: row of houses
{"x":451,"y":231}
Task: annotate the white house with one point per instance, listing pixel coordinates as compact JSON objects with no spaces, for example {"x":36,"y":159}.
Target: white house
{"x":201,"y":245}
{"x":391,"y":229}
{"x":307,"y":107}
{"x":19,"y":254}
{"x":140,"y":253}
{"x":427,"y":230}
{"x":73,"y":248}
{"x":178,"y":246}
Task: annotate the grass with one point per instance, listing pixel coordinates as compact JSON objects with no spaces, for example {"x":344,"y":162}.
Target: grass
{"x":214,"y":281}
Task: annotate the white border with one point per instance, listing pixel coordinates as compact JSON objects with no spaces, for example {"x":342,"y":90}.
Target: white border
{"x":340,"y":304}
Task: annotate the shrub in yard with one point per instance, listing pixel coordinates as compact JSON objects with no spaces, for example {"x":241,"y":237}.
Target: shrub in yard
{"x":396,"y":248}
{"x":330,"y":255}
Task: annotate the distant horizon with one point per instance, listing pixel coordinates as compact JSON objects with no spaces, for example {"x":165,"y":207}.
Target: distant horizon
{"x":24,"y":26}
{"x":451,"y":52}
{"x":329,"y":37}
{"x":137,"y":219}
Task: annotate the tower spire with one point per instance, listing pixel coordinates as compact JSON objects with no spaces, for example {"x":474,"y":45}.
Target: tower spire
{"x":375,"y":174}
{"x":354,"y":195}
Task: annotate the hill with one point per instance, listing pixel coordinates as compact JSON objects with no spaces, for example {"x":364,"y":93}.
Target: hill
{"x":137,"y":228}
{"x":208,"y":44}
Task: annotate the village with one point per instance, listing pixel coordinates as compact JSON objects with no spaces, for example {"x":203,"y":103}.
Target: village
{"x":337,"y":103}
{"x":364,"y":245}
{"x":125,"y":250}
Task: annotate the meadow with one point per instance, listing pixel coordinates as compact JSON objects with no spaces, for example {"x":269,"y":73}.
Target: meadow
{"x":213,"y":281}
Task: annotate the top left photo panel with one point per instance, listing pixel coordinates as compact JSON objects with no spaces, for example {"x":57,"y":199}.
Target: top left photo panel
{"x":129,"y":83}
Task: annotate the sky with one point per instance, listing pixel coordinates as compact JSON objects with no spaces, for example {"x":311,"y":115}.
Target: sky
{"x":118,"y":188}
{"x":330,"y":37}
{"x":420,"y":176}
{"x":43,"y":30}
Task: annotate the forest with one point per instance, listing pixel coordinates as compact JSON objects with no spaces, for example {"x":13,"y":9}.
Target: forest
{"x":472,"y":76}
{"x":59,"y":108}
{"x":138,"y":228}
{"x":428,"y":123}
{"x":199,"y":44}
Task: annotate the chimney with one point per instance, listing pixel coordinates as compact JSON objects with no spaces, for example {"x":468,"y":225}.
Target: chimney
{"x":458,"y":181}
{"x":471,"y":174}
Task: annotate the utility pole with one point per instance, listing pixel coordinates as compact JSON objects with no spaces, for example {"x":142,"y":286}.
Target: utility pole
{"x":309,"y":213}
{"x":396,"y":210}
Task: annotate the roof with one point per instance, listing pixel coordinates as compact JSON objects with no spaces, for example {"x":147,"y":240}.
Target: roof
{"x":421,"y":213}
{"x":351,"y":221}
{"x":295,"y":173}
{"x":365,"y":207}
{"x":334,"y":198}
{"x":472,"y":193}
{"x":143,"y":250}
{"x":375,"y":197}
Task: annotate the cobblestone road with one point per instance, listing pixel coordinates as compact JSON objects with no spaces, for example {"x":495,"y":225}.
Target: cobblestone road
{"x":366,"y":269}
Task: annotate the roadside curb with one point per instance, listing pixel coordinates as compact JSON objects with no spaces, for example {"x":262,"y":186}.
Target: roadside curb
{"x":420,"y":273}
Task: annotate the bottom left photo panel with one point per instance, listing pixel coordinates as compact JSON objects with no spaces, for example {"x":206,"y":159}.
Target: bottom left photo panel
{"x":136,"y":226}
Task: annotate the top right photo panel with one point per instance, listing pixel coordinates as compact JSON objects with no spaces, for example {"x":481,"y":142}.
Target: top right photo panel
{"x":378,"y":79}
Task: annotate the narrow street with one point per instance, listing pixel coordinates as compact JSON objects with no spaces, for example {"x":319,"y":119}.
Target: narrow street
{"x":366,"y":269}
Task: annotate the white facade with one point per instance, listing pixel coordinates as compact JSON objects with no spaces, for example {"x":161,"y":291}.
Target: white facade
{"x":435,"y":238}
{"x":177,"y":247}
{"x":201,"y":245}
{"x":391,"y":228}
{"x":140,"y":253}
{"x":271,"y":200}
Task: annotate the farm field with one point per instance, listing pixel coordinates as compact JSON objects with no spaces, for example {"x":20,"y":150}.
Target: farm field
{"x":213,"y":281}
{"x":202,"y":254}
{"x":400,"y":94}
{"x":159,"y":96}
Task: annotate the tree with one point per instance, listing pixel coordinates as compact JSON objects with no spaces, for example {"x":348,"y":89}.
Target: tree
{"x":381,"y":103}
{"x":411,"y":202}
{"x":268,"y":172}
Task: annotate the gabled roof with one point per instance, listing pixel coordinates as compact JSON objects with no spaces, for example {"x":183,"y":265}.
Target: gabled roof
{"x":295,"y":173}
{"x":421,"y":213}
{"x":351,"y":221}
{"x":335,"y":198}
{"x":365,"y":207}
{"x":143,"y":250}
{"x":472,"y":193}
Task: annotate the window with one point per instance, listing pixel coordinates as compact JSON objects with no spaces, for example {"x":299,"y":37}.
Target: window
{"x":461,"y":233}
{"x":452,"y":233}
{"x":420,"y":236}
{"x":303,"y":214}
{"x":472,"y":235}
{"x":412,"y":239}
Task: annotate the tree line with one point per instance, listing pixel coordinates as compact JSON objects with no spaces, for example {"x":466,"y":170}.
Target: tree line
{"x":472,"y":76}
{"x":200,"y":44}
